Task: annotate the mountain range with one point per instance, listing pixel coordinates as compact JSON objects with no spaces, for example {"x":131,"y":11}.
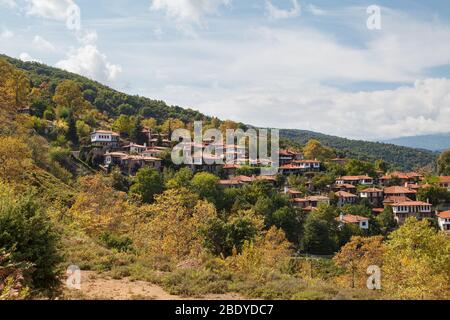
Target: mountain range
{"x":434,"y":142}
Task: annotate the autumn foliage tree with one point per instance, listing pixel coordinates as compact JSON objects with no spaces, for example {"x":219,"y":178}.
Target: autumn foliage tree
{"x":99,"y":208}
{"x":14,"y":86}
{"x":315,"y":150}
{"x":173,"y":224}
{"x":417,"y":262}
{"x":357,"y":255}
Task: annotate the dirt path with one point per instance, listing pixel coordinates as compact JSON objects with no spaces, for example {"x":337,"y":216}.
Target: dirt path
{"x":94,"y":286}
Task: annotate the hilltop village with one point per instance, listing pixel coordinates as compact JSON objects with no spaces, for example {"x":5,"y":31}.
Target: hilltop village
{"x":396,"y":190}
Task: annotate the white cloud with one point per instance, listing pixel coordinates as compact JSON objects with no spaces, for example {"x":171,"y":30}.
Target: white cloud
{"x":6,"y":34}
{"x":87,"y":37}
{"x":89,"y":61}
{"x":42,"y":44}
{"x":8,"y":3}
{"x":315,"y":10}
{"x":284,"y":78}
{"x":49,"y":9}
{"x":24,"y":56}
{"x":276,"y":13}
{"x":188,"y":10}
{"x":408,"y":110}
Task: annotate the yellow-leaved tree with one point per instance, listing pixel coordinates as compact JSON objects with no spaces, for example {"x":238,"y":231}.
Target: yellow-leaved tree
{"x":358,"y":254}
{"x":315,"y":150}
{"x":15,"y":159}
{"x":99,"y":208}
{"x":14,"y":86}
{"x":417,"y":262}
{"x":68,"y":94}
{"x":173,"y":226}
{"x":270,"y":251}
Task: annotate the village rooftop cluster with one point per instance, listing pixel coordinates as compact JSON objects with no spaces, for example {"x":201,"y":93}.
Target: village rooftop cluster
{"x":347,"y":190}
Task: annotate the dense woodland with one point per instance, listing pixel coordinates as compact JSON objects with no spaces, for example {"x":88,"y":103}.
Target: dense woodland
{"x":178,"y":229}
{"x":402,"y":158}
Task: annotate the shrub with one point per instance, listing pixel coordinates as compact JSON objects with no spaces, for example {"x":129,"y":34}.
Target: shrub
{"x":27,"y":232}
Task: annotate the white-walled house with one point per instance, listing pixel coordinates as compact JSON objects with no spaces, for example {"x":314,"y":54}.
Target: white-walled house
{"x":355,"y":180}
{"x":361,"y":222}
{"x":444,"y":182}
{"x":345,"y":198}
{"x":308,"y":165}
{"x":444,"y":221}
{"x":374,"y":195}
{"x":105,"y":138}
{"x":134,"y":148}
{"x":418,"y":209}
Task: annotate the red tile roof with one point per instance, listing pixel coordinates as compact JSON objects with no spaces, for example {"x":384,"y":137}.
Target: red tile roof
{"x":306,"y":161}
{"x":354,"y":178}
{"x":398,"y":190}
{"x":345,"y":185}
{"x":368,"y":190}
{"x":106,"y":132}
{"x":350,"y":218}
{"x":343,"y":194}
{"x":411,"y":203}
{"x":396,"y":199}
{"x":444,"y":215}
{"x":444,"y":179}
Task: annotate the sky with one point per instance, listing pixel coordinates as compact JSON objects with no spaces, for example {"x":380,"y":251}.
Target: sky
{"x":313,"y":65}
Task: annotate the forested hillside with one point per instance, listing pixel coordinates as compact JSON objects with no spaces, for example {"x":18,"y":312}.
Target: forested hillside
{"x":115,"y":103}
{"x":401,"y":157}
{"x":102,"y":97}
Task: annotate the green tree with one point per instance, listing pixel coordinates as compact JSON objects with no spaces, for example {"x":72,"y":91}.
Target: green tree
{"x":72,"y":134}
{"x":315,"y":150}
{"x":181,"y":179}
{"x":434,"y":194}
{"x":147,"y":184}
{"x":444,"y":163}
{"x":27,"y":233}
{"x":68,"y":94}
{"x":357,"y":167}
{"x":316,"y":236}
{"x":206,"y":185}
{"x":136,"y":133}
{"x":123,"y":125}
{"x":386,"y":221}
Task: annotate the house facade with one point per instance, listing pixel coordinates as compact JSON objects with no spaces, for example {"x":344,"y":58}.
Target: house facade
{"x":345,"y":198}
{"x":417,"y":209}
{"x":374,"y":195}
{"x":361,"y":222}
{"x":444,"y":182}
{"x":444,"y":221}
{"x":355,"y":180}
{"x":105,"y":138}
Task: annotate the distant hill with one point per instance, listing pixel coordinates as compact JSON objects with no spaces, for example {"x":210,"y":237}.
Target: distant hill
{"x":109,"y":100}
{"x":403,"y":157}
{"x":434,"y":142}
{"x":104,"y":98}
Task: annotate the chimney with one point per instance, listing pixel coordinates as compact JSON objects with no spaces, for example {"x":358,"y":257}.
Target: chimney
{"x":341,"y":216}
{"x":286,"y":189}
